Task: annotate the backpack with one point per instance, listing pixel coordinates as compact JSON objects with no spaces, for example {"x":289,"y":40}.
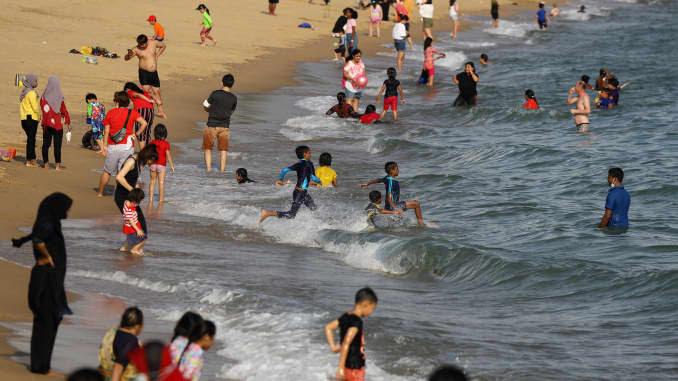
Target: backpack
{"x":87,"y":140}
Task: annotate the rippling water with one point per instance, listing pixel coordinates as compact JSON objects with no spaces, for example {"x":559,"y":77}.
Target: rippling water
{"x":515,"y":283}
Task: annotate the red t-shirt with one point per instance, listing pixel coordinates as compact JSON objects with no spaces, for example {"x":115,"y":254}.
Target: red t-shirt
{"x":162,"y":146}
{"x":531,"y":104}
{"x":138,"y":102}
{"x":369,"y":118}
{"x":115,"y":119}
{"x":130,"y":217}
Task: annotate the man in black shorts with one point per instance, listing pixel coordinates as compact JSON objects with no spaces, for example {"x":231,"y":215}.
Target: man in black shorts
{"x":271,"y":7}
{"x":148,"y":53}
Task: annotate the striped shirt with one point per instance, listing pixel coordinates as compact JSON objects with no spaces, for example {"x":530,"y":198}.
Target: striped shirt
{"x":130,"y":217}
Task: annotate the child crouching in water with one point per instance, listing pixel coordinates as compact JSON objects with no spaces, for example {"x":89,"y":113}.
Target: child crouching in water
{"x":531,"y":103}
{"x":241,"y":176}
{"x":159,"y":169}
{"x":136,"y":239}
{"x":373,"y":208}
{"x":351,"y":347}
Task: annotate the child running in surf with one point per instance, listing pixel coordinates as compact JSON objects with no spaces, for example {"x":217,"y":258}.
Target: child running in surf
{"x":393,"y":192}
{"x":305,"y":174}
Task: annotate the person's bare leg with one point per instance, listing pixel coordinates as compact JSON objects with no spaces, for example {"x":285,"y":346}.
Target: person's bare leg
{"x":161,"y":186}
{"x":395,"y":115}
{"x":103,"y":181}
{"x":138,"y":249}
{"x":271,"y":9}
{"x":371,"y":26}
{"x":378,"y":26}
{"x":417,"y":211}
{"x":208,"y":160}
{"x":124,"y":247}
{"x":456,"y":26}
{"x":158,"y":102}
{"x":58,"y":167}
{"x":151,"y":187}
{"x":430,"y":81}
{"x":142,"y":144}
{"x":401,"y":58}
{"x":383,"y":114}
{"x":265,"y":213}
{"x":223,"y":155}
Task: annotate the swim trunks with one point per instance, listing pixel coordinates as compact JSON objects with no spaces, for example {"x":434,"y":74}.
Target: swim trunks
{"x":159,"y":38}
{"x":149,"y":78}
{"x":543,"y":25}
{"x":399,"y":45}
{"x":298,"y":198}
{"x":391,"y":103}
{"x":583,"y":127}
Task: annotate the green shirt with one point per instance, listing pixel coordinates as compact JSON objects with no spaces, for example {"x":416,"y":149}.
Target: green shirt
{"x":206,"y":20}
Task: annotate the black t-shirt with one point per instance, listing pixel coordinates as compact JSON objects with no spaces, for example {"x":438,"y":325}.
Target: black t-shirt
{"x":467,"y":86}
{"x":356,"y":350}
{"x":222,"y":104}
{"x":391,"y":88}
{"x":123,"y":344}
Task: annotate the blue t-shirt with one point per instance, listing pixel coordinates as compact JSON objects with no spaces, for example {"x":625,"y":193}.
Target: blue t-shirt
{"x":541,"y":14}
{"x":618,"y":201}
{"x":392,"y":188}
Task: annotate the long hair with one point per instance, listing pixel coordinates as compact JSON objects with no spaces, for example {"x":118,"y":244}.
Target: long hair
{"x":428,"y":42}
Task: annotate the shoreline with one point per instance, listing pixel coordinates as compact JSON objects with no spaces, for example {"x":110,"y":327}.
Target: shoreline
{"x":31,"y":185}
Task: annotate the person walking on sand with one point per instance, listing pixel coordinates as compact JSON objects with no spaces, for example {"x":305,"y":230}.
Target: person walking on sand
{"x":581,"y":113}
{"x":271,"y":7}
{"x":53,"y":111}
{"x":46,"y":293}
{"x":220,"y":105}
{"x":148,"y":53}
{"x":206,"y":25}
{"x":454,"y":16}
{"x":494,"y":12}
{"x":29,"y":109}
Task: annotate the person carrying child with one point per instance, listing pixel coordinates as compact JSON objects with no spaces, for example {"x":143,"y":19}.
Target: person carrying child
{"x":343,"y":109}
{"x":373,"y":208}
{"x":392,"y":87}
{"x":158,"y":30}
{"x":159,"y":168}
{"x":135,"y":236}
{"x":327,"y":175}
{"x":305,"y":174}
{"x":531,"y":102}
{"x":370,"y":116}
{"x":393,"y":192}
{"x":96,"y":113}
{"x":351,"y":347}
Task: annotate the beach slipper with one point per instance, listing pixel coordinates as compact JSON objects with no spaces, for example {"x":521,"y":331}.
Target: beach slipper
{"x":75,"y":51}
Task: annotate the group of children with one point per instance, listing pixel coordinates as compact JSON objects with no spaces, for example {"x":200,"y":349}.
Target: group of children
{"x":205,"y":24}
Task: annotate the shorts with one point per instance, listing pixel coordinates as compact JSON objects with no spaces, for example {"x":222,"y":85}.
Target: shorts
{"x":454,"y":15}
{"x":115,"y":159}
{"x":354,"y":374}
{"x":158,"y":168}
{"x":543,"y":24}
{"x":431,"y":71}
{"x":147,"y":114}
{"x":391,"y":103}
{"x":210,"y":134}
{"x":159,"y":38}
{"x":133,"y":239}
{"x":149,"y":78}
{"x":341,"y":49}
{"x":351,"y":94}
{"x":583,"y":127}
{"x":407,"y":26}
{"x":375,"y":19}
{"x":273,"y":1}
{"x":399,"y":45}
{"x":205,"y":31}
{"x":495,"y":13}
{"x":428,"y":23}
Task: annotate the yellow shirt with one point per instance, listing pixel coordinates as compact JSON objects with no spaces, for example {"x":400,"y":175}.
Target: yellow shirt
{"x":30,"y":106}
{"x":326,"y":176}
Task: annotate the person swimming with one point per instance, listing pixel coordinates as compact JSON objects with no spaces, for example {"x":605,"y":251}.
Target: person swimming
{"x":531,"y":103}
{"x":241,"y":176}
{"x":484,"y":59}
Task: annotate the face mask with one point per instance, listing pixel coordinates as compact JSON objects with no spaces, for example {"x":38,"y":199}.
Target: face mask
{"x":612,"y":185}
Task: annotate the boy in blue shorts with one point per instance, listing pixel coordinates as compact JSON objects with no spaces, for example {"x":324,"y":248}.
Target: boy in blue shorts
{"x":305,"y":174}
{"x":393,"y":202}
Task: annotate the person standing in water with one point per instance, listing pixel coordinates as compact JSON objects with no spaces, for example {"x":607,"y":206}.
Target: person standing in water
{"x":454,"y":16}
{"x":555,"y":11}
{"x":581,"y":113}
{"x":148,"y":53}
{"x":467,"y":81}
{"x":494,"y":12}
{"x":617,"y":202}
{"x":46,"y":293}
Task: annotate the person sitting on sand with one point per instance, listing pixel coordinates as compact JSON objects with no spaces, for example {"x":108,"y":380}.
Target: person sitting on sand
{"x":135,"y":236}
{"x":343,"y":109}
{"x":148,"y":53}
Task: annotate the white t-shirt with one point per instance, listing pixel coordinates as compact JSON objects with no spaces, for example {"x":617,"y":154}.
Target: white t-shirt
{"x":354,"y":70}
{"x":426,"y":11}
{"x":399,"y":31}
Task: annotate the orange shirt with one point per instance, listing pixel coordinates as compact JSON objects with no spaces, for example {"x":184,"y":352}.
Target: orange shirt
{"x":159,"y":31}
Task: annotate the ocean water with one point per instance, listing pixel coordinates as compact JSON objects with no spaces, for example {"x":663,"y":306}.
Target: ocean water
{"x":516,"y":282}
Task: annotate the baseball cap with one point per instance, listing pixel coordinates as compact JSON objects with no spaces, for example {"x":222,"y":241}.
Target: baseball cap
{"x":151,"y":18}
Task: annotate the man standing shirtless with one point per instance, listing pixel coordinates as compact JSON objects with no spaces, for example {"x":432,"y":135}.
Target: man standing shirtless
{"x":148,"y":53}
{"x":581,"y":113}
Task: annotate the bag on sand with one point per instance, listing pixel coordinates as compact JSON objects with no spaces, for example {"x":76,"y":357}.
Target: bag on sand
{"x":87,"y":140}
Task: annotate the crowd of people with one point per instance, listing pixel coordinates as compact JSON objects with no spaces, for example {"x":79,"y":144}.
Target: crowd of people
{"x":115,"y":134}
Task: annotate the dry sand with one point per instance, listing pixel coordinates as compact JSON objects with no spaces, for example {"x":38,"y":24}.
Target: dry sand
{"x":260,"y":50}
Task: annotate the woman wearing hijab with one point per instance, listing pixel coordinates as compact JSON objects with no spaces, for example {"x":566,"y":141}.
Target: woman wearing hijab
{"x":29,"y":108}
{"x":53,"y":110}
{"x":46,"y":294}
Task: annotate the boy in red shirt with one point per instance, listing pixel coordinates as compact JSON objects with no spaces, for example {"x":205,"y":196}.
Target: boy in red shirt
{"x":136,"y":239}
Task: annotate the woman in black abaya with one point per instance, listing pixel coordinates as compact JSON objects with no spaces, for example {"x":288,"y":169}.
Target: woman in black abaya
{"x":46,"y":294}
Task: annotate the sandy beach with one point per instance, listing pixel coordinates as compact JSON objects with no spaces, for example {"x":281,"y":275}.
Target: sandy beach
{"x":260,"y":50}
